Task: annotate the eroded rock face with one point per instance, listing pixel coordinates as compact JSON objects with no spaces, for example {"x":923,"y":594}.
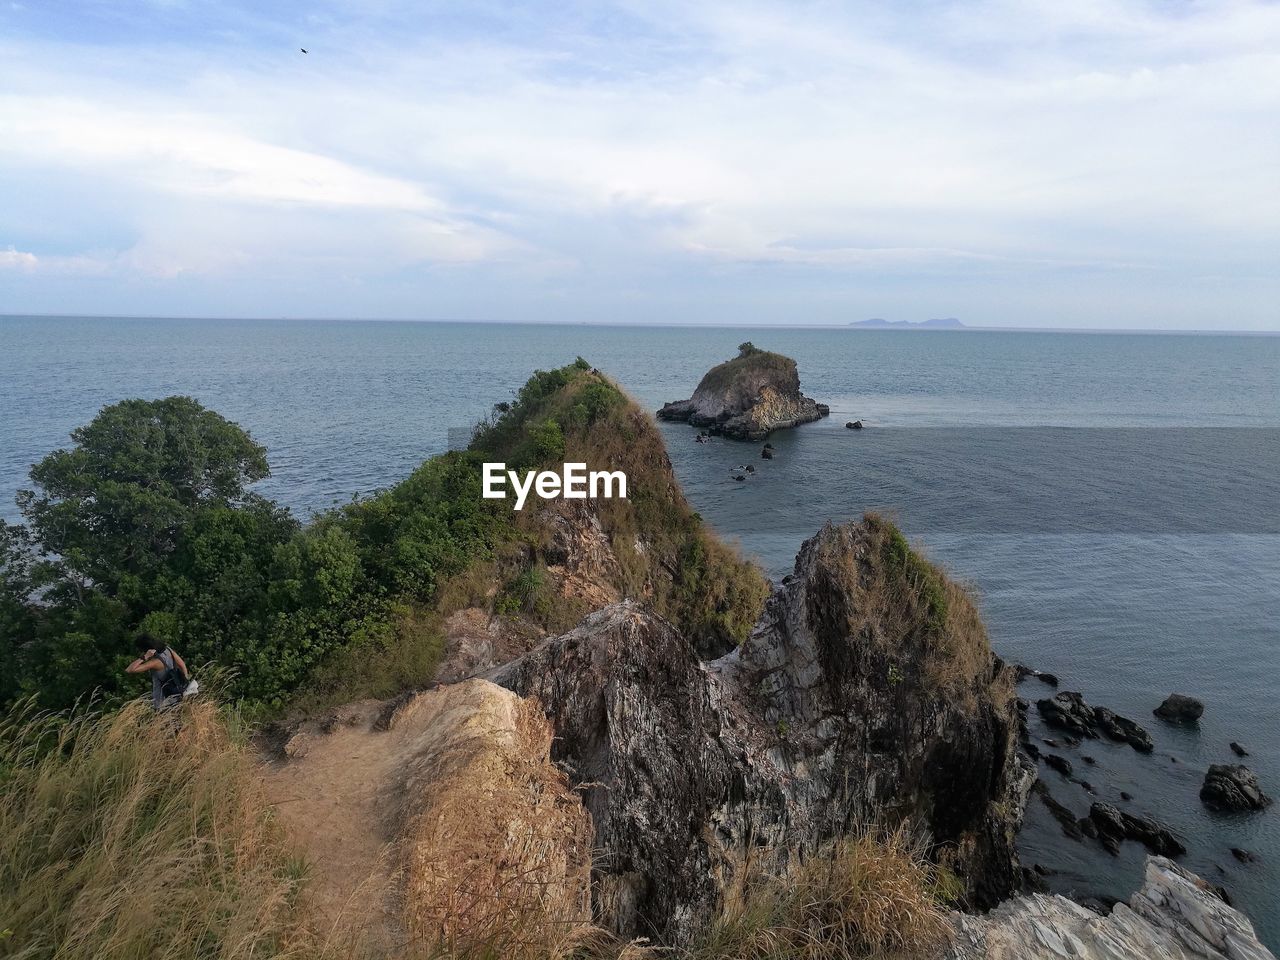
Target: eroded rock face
{"x":1174,"y":916}
{"x":747,"y":398}
{"x":834,"y":712}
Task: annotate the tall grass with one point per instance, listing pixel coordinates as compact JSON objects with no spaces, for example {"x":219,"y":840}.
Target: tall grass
{"x":131,"y":836}
{"x":871,"y":894}
{"x":135,"y":835}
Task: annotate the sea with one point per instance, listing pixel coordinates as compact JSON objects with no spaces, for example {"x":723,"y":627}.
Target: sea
{"x":1112,"y":499}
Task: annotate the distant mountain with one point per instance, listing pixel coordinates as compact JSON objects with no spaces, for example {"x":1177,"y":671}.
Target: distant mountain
{"x":941,"y":323}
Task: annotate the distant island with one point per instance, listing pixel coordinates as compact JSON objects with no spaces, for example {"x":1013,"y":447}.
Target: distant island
{"x":941,"y":323}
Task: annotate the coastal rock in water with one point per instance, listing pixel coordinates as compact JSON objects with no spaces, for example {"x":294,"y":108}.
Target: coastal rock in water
{"x":1061,"y":764}
{"x":1174,"y":916}
{"x":1115,"y":826}
{"x":1230,"y":786}
{"x":1238,"y":749}
{"x":837,"y":706}
{"x":748,"y":397}
{"x":1179,"y":708}
{"x":1069,"y":711}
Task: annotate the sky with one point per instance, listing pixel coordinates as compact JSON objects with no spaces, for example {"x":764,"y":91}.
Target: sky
{"x":1092,"y":163}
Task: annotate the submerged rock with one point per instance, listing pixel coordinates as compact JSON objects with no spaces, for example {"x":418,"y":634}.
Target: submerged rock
{"x":836,"y":708}
{"x":1229,"y":786}
{"x":748,"y":397}
{"x":1174,"y":916}
{"x":1238,"y":749}
{"x":1179,"y":708}
{"x":1061,"y":764}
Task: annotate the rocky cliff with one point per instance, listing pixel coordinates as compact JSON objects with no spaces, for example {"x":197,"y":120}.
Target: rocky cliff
{"x":748,"y":397}
{"x":853,"y":701}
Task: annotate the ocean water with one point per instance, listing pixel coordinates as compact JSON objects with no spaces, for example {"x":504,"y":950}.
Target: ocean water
{"x":1112,"y":499}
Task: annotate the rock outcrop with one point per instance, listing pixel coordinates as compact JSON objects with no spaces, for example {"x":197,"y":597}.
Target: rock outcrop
{"x":855,"y":698}
{"x":748,"y":397}
{"x":1174,"y":916}
{"x":1068,"y":711}
{"x":1232,"y":786}
{"x":1179,"y":708}
{"x":1114,"y":826}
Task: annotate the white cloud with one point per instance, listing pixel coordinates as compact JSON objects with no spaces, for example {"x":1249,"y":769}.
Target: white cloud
{"x":12,"y":259}
{"x":1013,"y":137}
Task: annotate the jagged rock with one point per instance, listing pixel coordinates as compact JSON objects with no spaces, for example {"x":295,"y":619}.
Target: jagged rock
{"x":748,"y":397}
{"x":853,"y":425}
{"x":831,"y":711}
{"x":1059,"y":763}
{"x":1179,"y":708}
{"x":1244,"y":856}
{"x":1230,"y":786}
{"x":1115,"y":826}
{"x":766,"y":454}
{"x":1174,"y":916}
{"x":1068,"y":711}
{"x":1238,"y":749}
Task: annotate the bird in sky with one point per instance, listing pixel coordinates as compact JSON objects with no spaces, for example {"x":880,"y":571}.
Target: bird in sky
{"x":303,"y":49}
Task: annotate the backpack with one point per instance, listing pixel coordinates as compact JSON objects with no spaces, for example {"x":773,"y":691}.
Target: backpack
{"x":172,"y":681}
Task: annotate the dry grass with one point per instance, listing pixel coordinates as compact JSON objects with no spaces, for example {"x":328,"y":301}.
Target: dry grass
{"x":498,"y":846}
{"x":872,"y":894}
{"x":141,"y":837}
{"x":130,"y":835}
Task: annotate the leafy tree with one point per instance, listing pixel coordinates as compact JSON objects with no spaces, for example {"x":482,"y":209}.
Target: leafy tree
{"x":114,"y":506}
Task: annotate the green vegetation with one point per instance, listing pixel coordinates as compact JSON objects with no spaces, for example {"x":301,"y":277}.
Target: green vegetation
{"x":921,"y":607}
{"x":751,"y":364}
{"x":917,"y":575}
{"x":147,"y":523}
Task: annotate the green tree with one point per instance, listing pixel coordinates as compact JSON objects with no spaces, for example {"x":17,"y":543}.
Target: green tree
{"x":113,"y":506}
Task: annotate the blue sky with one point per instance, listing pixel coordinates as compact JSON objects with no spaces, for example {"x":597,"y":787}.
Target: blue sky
{"x":1012,"y":162}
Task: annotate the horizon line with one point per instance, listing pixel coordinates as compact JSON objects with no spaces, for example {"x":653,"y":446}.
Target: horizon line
{"x":853,"y":326}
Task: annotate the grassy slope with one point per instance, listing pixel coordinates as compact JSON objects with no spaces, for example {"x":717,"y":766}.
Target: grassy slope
{"x":436,"y":547}
{"x":748,"y":363}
